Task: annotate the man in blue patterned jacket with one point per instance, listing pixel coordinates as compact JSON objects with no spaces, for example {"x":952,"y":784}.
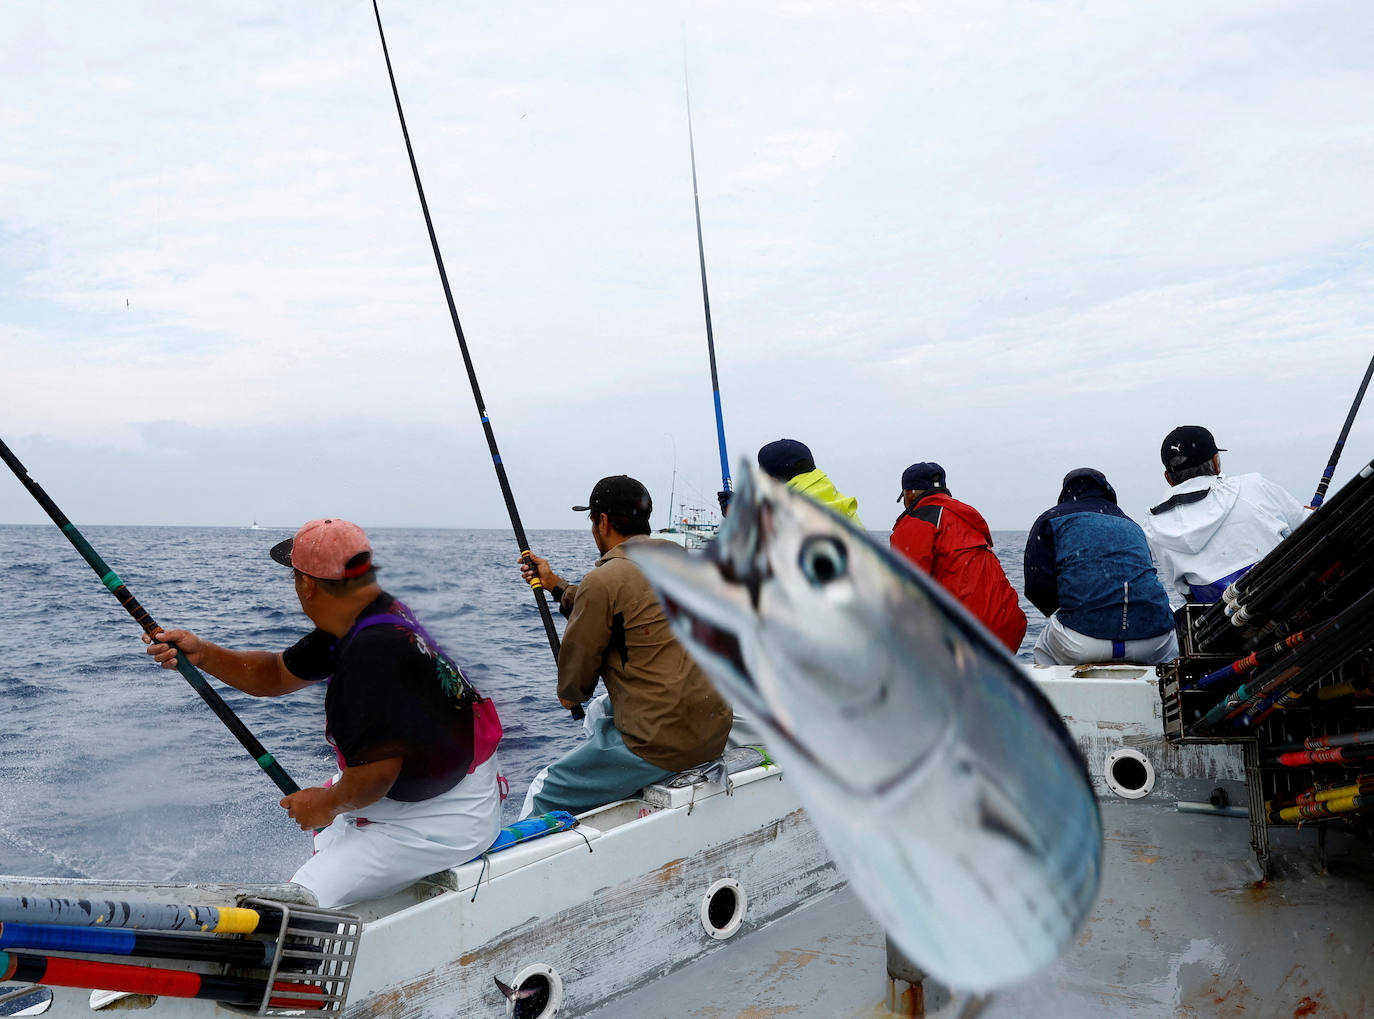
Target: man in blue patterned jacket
{"x":1088,"y":569}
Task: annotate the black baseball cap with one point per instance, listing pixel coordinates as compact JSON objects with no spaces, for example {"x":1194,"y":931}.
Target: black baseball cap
{"x":1187,"y":446}
{"x":784,"y":459}
{"x":923,"y":477}
{"x":619,"y":495}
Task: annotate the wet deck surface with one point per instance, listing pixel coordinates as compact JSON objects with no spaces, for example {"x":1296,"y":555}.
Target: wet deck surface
{"x":1183,"y":927}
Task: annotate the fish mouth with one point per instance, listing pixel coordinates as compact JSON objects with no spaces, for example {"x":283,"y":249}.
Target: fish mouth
{"x":707,"y":636}
{"x":711,"y":598}
{"x":708,"y":615}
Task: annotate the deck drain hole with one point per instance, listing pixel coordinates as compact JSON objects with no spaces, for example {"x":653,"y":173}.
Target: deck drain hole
{"x":539,"y":993}
{"x":1129,"y":773}
{"x":722,"y":908}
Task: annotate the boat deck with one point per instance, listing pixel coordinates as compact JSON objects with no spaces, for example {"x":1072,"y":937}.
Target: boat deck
{"x":1183,"y":927}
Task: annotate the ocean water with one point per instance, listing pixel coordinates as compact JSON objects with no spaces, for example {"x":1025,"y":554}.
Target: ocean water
{"x":113,"y":768}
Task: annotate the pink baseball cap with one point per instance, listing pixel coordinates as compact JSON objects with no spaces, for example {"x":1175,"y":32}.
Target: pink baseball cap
{"x":329,"y":549}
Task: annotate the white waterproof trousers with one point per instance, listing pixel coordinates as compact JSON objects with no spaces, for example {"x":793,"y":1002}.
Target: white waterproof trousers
{"x":1059,"y":645}
{"x":391,"y":844}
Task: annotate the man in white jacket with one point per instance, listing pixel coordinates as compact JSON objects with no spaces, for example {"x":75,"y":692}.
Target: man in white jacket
{"x":1213,"y":528}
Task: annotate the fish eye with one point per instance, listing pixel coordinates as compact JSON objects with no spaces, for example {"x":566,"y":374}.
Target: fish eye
{"x":823,"y":560}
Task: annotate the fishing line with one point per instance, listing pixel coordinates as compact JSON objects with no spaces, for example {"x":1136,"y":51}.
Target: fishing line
{"x":116,"y":587}
{"x":725,"y":482}
{"x":544,"y":614}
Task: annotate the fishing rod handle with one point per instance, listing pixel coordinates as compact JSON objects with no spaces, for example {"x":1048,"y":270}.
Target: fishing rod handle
{"x":527,"y":560}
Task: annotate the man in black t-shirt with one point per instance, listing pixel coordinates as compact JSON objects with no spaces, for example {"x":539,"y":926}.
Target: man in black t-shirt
{"x":409,"y":799}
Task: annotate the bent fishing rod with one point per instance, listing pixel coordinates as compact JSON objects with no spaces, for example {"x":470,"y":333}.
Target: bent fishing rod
{"x":1340,"y":442}
{"x":116,"y":587}
{"x":725,"y":482}
{"x":544,"y":614}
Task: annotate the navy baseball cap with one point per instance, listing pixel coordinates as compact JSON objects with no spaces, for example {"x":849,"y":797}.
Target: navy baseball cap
{"x":1187,"y":446}
{"x":620,"y":495}
{"x":1086,"y":482}
{"x":784,"y":459}
{"x":923,"y":477}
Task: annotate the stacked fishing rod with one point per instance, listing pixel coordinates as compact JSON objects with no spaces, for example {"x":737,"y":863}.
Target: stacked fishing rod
{"x":1286,"y":661}
{"x":261,"y":958}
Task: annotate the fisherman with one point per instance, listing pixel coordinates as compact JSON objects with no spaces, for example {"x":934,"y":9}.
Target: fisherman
{"x":662,"y":715}
{"x":790,"y":461}
{"x":950,"y":540}
{"x":1088,"y":569}
{"x":1213,"y":528}
{"x":409,"y":799}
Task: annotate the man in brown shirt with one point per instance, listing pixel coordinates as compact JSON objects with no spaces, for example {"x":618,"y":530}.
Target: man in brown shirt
{"x":664,"y":715}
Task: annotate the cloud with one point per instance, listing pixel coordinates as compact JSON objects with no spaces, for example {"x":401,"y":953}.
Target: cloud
{"x":1014,"y":237}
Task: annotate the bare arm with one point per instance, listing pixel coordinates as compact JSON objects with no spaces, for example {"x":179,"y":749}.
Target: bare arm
{"x":360,"y":786}
{"x":260,"y":673}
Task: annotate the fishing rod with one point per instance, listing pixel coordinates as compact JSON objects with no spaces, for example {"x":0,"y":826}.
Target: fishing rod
{"x":1250,"y":661}
{"x":116,"y":587}
{"x":1313,"y":658}
{"x":1334,"y":807}
{"x":1340,"y":442}
{"x":141,"y":944}
{"x":1360,"y":785}
{"x":155,"y":916}
{"x":1300,"y":561}
{"x":173,"y":983}
{"x":726,"y":484}
{"x":1340,"y":739}
{"x":1355,"y":754}
{"x":544,"y":614}
{"x":1274,"y":573}
{"x":1336,"y":648}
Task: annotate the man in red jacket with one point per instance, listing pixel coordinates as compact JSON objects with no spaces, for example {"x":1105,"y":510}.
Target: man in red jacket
{"x":950,"y":540}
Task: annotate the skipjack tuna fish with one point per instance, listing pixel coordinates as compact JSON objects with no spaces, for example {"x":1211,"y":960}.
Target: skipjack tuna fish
{"x":945,"y":784}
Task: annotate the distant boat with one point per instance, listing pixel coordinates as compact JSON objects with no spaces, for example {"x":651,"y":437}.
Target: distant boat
{"x":692,"y":529}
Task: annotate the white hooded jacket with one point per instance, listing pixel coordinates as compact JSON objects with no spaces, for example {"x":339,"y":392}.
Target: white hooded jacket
{"x":1228,"y":525}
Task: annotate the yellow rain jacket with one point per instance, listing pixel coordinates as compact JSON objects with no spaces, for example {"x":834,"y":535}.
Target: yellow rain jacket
{"x":819,"y":487}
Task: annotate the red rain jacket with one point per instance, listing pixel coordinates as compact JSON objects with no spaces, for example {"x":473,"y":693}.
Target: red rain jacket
{"x":950,"y":540}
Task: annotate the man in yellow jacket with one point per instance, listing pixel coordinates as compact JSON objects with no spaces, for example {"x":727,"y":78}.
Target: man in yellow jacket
{"x":791,"y":461}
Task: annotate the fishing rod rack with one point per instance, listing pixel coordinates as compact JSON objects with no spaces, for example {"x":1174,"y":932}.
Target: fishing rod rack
{"x":315,"y":948}
{"x":263,"y":957}
{"x":1283,"y":666}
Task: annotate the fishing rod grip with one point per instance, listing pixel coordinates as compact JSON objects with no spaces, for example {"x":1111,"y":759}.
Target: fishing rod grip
{"x":527,"y":560}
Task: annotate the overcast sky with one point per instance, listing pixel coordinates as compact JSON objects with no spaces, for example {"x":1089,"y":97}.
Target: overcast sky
{"x":1014,"y":238}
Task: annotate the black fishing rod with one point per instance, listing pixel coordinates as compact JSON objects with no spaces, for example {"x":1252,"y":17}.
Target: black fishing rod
{"x":726,"y":485}
{"x":1340,"y":442}
{"x":1341,"y":639}
{"x":1300,"y":593}
{"x":1305,"y":663}
{"x":520,"y":539}
{"x":1292,"y":560}
{"x":116,"y":587}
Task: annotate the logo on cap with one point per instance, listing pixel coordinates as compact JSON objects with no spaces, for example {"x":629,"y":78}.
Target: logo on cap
{"x":1187,"y":446}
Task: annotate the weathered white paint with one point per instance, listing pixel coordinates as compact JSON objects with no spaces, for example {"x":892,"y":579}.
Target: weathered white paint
{"x":1107,"y":707}
{"x":607,"y":912}
{"x":620,"y":908}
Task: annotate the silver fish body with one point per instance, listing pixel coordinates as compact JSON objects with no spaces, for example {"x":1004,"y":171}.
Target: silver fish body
{"x":944,"y":784}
